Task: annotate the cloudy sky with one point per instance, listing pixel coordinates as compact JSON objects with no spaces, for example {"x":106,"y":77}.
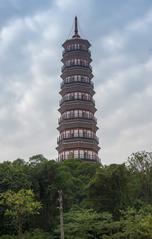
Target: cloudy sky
{"x":31,"y":35}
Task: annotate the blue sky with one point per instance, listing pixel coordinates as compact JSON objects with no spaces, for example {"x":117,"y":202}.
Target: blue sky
{"x":31,"y":37}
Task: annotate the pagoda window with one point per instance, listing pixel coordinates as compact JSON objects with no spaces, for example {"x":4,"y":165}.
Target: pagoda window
{"x":78,"y":61}
{"x":76,"y":47}
{"x":90,"y":154}
{"x":76,"y":133}
{"x":80,"y":113}
{"x":66,"y":154}
{"x":66,"y":134}
{"x":77,"y":95}
{"x":79,"y":78}
{"x":76,"y":78}
{"x":76,"y":153}
{"x":68,"y":114}
{"x":76,"y":113}
{"x":80,"y":132}
{"x":81,"y":154}
{"x":87,"y":114}
{"x":72,"y":113}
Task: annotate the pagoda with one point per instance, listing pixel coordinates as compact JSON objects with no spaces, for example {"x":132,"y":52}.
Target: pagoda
{"x":77,"y":123}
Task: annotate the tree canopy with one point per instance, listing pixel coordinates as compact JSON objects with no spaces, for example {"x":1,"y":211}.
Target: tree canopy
{"x":112,"y":201}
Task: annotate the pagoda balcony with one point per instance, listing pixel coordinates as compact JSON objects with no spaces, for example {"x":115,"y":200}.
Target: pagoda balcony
{"x":78,"y":143}
{"x":78,"y":136}
{"x":73,"y":98}
{"x":76,"y":49}
{"x":86,"y":157}
{"x":72,"y":116}
{"x":64,"y":82}
{"x":76,"y":65}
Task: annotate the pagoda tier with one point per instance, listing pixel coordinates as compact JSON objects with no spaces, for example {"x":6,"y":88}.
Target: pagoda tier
{"x":77,"y":123}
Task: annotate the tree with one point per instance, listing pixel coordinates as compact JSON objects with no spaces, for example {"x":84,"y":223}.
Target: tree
{"x":14,"y":175}
{"x":140,"y":161}
{"x":86,"y":223}
{"x":19,"y":204}
{"x":75,"y":177}
{"x":108,"y":191}
{"x":45,"y":184}
{"x":137,"y":223}
{"x":37,"y":159}
{"x":140,"y":167}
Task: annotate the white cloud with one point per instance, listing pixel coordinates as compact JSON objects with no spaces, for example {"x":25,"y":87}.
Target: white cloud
{"x":124,"y":96}
{"x":30,"y":52}
{"x":141,"y":24}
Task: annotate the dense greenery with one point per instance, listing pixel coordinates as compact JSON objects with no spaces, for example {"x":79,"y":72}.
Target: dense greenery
{"x":107,"y":202}
{"x":19,"y":204}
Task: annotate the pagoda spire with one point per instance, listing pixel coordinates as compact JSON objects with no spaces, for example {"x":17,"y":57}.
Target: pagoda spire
{"x":76,"y":26}
{"x":76,"y":35}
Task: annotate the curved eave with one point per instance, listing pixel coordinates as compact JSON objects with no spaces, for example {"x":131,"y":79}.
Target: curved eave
{"x":77,"y":104}
{"x":76,"y":71}
{"x":77,"y":123}
{"x":75,"y":87}
{"x":78,"y":143}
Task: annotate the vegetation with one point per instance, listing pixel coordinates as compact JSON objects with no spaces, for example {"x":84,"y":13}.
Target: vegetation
{"x":102,"y":202}
{"x":19,"y":204}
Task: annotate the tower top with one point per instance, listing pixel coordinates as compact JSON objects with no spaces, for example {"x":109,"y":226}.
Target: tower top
{"x":76,"y":35}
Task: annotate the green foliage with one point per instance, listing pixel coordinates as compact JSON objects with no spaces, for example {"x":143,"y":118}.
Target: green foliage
{"x":102,"y":202}
{"x":140,"y":162}
{"x":85,"y":223}
{"x":108,"y":190}
{"x":19,"y":204}
{"x":36,"y":234}
{"x":46,"y":181}
{"x":8,"y":237}
{"x":140,"y":166}
{"x":14,"y":175}
{"x":137,"y":223}
{"x":75,"y":177}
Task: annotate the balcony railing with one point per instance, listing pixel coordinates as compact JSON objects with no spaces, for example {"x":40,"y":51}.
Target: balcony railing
{"x":74,"y":116}
{"x":73,"y":98}
{"x":86,"y":157}
{"x":76,"y":49}
{"x":76,"y":81}
{"x":76,"y":136}
{"x":77,"y":65}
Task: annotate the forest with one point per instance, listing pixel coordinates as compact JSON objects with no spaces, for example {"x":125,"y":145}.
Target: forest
{"x":99,"y":201}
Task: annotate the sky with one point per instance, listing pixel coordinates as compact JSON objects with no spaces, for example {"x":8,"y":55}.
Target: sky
{"x":31,"y":37}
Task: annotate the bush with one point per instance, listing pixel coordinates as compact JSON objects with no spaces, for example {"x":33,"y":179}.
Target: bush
{"x":8,"y":237}
{"x":36,"y":234}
